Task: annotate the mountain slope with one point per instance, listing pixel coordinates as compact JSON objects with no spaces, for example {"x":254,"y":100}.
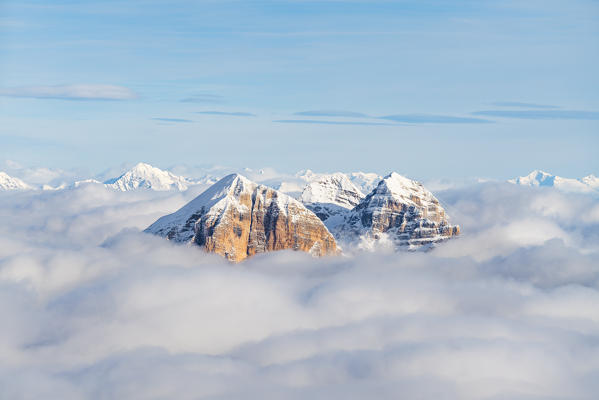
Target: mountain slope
{"x":145,"y":176}
{"x":238,"y":218}
{"x":8,"y":182}
{"x":400,"y":211}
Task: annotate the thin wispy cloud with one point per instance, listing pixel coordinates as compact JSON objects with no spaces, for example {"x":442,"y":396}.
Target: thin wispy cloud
{"x":331,"y":113}
{"x":71,"y":92}
{"x":541,"y":114}
{"x":521,"y":104}
{"x":434,"y":119}
{"x":172,"y":120}
{"x":227,"y":114}
{"x":204,"y":98}
{"x":325,"y":122}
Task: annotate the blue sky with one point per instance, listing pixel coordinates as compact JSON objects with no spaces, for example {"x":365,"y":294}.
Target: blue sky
{"x":427,"y":88}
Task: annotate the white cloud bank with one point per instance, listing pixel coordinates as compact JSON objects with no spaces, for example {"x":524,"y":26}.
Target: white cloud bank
{"x":71,"y":92}
{"x":92,"y":308}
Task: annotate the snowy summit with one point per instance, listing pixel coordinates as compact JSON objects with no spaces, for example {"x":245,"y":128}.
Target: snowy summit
{"x":145,"y":176}
{"x":8,"y":182}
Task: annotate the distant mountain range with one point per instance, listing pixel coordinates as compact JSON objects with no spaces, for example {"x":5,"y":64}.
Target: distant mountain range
{"x":588,"y":184}
{"x":322,"y":214}
{"x":143,"y":176}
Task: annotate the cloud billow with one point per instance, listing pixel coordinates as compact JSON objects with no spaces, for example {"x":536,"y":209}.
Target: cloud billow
{"x":92,"y":308}
{"x":71,"y":92}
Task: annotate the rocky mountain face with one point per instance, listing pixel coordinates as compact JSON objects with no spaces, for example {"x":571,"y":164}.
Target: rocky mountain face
{"x":588,"y":184}
{"x":238,"y":218}
{"x":330,"y":197}
{"x":8,"y":182}
{"x":145,"y":176}
{"x":400,"y":211}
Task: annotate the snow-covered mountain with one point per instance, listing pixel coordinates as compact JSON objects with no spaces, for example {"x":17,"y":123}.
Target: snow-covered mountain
{"x":8,"y":182}
{"x":331,"y":197}
{"x":295,"y":184}
{"x":539,"y":178}
{"x":238,"y":218}
{"x":399,"y":212}
{"x":145,"y":176}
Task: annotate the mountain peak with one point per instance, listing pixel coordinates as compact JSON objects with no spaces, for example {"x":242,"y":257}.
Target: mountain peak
{"x":142,"y":166}
{"x":8,"y":182}
{"x":146,"y":176}
{"x":402,"y":189}
{"x":238,"y":218}
{"x":399,"y":210}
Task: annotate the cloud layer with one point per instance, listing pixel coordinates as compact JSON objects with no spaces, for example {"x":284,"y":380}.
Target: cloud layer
{"x":71,"y":92}
{"x":92,"y":308}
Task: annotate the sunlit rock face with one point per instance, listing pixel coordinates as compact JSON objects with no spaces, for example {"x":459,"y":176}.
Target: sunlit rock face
{"x":398,"y":210}
{"x":237,"y":218}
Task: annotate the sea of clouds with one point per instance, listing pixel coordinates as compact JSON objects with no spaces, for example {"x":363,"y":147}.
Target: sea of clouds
{"x":91,"y":308}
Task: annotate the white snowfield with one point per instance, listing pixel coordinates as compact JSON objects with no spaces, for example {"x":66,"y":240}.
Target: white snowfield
{"x":8,"y":182}
{"x":537,"y":178}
